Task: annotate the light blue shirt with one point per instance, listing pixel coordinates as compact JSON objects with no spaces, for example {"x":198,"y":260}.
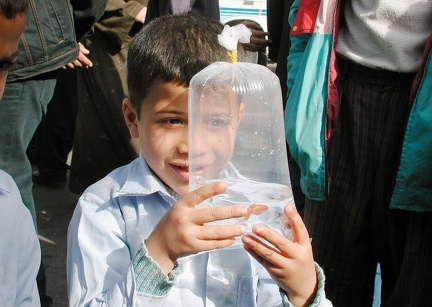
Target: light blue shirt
{"x":106,"y":254}
{"x":20,"y":253}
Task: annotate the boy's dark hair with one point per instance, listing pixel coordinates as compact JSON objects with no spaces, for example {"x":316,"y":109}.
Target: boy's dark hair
{"x":12,"y":8}
{"x":171,"y":49}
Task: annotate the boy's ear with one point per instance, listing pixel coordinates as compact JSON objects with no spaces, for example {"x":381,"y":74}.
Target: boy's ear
{"x":130,"y":117}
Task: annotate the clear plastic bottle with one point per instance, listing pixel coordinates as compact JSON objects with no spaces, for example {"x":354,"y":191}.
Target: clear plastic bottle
{"x":236,"y":135}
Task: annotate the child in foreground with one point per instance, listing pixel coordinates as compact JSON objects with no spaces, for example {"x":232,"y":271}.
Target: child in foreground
{"x":20,"y":254}
{"x":132,"y":233}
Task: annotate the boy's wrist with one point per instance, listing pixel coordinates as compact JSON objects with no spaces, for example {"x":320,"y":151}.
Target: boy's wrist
{"x":157,"y":254}
{"x":315,"y":298}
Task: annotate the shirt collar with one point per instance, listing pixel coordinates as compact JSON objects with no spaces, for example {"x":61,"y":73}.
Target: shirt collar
{"x":140,"y":180}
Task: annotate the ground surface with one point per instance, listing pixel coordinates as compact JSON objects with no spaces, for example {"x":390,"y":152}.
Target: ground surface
{"x":54,"y":208}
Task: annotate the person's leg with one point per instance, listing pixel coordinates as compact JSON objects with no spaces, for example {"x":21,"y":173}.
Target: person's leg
{"x":412,"y":284}
{"x":55,"y":134}
{"x":390,"y":96}
{"x":45,"y":300}
{"x":401,"y":238}
{"x":340,"y":228}
{"x":23,"y":104}
{"x":369,"y":133}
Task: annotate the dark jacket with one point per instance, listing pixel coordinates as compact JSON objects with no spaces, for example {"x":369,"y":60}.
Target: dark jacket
{"x":48,"y":41}
{"x":313,"y":104}
{"x":85,"y":14}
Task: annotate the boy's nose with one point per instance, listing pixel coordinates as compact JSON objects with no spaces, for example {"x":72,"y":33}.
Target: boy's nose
{"x":199,"y":141}
{"x":182,"y":146}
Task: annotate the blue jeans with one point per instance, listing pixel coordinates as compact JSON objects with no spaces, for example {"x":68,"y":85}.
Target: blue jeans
{"x":21,"y":110}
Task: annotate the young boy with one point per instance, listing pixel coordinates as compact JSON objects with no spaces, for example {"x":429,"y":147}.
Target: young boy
{"x":19,"y":247}
{"x":132,"y":232}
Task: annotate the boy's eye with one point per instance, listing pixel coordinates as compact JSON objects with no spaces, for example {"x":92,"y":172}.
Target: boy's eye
{"x":173,"y":121}
{"x":4,"y":65}
{"x":220,"y":120}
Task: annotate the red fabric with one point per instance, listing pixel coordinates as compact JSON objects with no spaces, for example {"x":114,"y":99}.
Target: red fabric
{"x":419,"y":75}
{"x":332,"y":90}
{"x":304,"y":21}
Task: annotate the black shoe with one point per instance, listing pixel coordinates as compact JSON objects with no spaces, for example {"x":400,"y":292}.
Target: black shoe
{"x":54,"y":182}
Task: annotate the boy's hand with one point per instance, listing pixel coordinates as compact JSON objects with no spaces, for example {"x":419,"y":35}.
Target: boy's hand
{"x":181,"y":231}
{"x":290,"y":264}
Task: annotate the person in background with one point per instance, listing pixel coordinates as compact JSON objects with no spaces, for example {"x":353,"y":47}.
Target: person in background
{"x":210,"y":9}
{"x":101,"y":141}
{"x":47,"y":43}
{"x":30,"y":86}
{"x":279,"y":28}
{"x":358,"y":122}
{"x":158,"y":8}
{"x":19,"y":246}
{"x":132,"y":232}
{"x":53,"y":140}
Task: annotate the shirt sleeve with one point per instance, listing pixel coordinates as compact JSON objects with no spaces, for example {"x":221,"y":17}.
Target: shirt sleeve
{"x":100,"y":266}
{"x":29,"y":260}
{"x":149,"y":276}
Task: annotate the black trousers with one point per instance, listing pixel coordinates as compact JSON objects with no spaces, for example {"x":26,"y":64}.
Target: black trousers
{"x":53,"y":140}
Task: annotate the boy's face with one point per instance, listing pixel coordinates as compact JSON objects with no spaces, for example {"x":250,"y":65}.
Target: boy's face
{"x":10,"y":33}
{"x":163,"y":134}
{"x":216,"y":115}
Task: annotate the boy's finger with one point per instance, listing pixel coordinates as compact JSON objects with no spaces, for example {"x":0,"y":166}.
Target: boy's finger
{"x":215,"y":244}
{"x":299,"y":230}
{"x":261,"y":251}
{"x":199,"y":195}
{"x":221,"y":232}
{"x":221,"y":213}
{"x":274,"y":238}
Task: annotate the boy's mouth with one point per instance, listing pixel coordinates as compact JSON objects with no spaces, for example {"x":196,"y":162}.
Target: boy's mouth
{"x":181,"y":170}
{"x":199,"y":170}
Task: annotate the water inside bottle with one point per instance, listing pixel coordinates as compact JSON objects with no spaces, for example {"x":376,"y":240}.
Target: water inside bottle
{"x":265,"y":202}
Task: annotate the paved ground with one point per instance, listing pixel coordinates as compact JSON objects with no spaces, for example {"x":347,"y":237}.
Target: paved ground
{"x":54,"y":208}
